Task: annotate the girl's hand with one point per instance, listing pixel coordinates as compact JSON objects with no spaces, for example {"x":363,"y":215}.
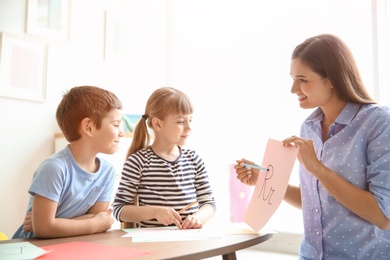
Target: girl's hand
{"x":192,"y":222}
{"x":168,"y":216}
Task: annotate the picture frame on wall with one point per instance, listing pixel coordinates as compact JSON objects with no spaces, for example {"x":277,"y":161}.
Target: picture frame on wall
{"x":49,"y":19}
{"x":118,"y":30}
{"x":23,"y":65}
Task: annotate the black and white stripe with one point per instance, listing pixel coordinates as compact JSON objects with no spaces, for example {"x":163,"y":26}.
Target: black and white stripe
{"x":159,"y":182}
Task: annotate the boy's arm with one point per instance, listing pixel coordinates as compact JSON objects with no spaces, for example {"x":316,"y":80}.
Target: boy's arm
{"x":46,"y":225}
{"x":98,"y":207}
{"x":95,"y":209}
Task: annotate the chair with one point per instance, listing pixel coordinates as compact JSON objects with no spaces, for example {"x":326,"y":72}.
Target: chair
{"x":131,"y":224}
{"x":240,"y":197}
{"x":3,"y":236}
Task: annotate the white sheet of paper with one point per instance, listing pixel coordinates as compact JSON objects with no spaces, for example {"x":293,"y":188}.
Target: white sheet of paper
{"x":20,"y":250}
{"x":165,"y":234}
{"x":271,"y":185}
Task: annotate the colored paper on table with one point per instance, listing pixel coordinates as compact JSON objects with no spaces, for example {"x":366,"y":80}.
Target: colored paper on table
{"x":20,"y":250}
{"x":85,"y":250}
{"x":271,"y":185}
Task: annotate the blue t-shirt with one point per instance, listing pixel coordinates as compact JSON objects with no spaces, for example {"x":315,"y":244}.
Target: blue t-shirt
{"x":358,"y":149}
{"x":60,"y":178}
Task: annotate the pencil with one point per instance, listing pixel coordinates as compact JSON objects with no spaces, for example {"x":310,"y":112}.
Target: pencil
{"x":187,"y":207}
{"x":255,"y":166}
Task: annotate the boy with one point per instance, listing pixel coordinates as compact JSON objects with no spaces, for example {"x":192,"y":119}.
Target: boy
{"x":71,"y":190}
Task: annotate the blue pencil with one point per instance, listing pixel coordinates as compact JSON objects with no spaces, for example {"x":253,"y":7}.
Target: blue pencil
{"x":255,"y":167}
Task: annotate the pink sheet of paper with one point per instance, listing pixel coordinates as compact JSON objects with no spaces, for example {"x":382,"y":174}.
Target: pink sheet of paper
{"x":271,"y":185}
{"x":86,"y":250}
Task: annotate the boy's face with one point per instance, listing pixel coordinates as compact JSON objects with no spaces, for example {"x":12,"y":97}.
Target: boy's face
{"x":108,"y":136}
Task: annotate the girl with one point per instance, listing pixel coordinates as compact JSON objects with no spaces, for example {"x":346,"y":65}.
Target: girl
{"x":164,"y":176}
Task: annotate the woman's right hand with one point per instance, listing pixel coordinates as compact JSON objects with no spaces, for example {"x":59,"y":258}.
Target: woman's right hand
{"x":246,"y":175}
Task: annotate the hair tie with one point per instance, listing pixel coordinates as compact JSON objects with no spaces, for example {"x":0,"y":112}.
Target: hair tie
{"x":145,"y":117}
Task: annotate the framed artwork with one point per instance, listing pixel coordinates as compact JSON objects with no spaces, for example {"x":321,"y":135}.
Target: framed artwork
{"x":23,"y":62}
{"x":117,"y":35}
{"x":49,"y":19}
{"x":129,"y":121}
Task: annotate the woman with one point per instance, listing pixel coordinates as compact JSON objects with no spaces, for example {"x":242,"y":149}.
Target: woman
{"x":344,"y":155}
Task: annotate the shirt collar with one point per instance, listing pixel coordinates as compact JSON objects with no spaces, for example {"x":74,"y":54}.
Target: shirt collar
{"x":346,"y":116}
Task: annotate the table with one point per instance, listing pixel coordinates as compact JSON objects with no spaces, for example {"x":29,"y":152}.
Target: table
{"x":227,"y":245}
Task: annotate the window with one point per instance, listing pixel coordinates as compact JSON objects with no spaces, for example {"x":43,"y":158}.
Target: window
{"x":381,"y":44}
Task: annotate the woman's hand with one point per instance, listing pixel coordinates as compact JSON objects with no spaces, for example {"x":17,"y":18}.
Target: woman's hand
{"x":306,"y":154}
{"x":246,"y":175}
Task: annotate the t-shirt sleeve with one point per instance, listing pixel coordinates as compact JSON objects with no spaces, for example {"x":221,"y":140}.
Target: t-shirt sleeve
{"x":107,"y":192}
{"x":48,"y":180}
{"x":378,"y":170}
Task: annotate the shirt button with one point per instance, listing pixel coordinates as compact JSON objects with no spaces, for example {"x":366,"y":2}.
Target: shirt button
{"x":317,"y":233}
{"x":317,"y":210}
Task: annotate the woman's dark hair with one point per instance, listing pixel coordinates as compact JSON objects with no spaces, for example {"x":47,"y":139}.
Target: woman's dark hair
{"x":331,"y":58}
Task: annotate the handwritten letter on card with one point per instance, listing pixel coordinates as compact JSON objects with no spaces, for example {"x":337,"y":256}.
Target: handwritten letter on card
{"x":271,"y":185}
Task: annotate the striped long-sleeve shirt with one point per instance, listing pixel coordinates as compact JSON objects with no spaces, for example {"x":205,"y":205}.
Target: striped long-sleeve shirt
{"x":159,"y":182}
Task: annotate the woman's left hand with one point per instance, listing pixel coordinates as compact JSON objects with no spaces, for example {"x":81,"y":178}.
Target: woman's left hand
{"x":306,"y":154}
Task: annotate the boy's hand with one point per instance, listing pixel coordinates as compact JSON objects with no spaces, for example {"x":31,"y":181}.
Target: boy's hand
{"x":105,"y":220}
{"x":27,"y":224}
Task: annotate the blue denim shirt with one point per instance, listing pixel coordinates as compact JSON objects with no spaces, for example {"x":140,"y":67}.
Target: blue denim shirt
{"x":358,"y":149}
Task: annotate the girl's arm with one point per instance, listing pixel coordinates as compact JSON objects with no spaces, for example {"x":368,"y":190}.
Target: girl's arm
{"x":164,"y":215}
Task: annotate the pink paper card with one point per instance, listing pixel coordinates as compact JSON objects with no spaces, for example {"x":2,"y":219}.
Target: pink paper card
{"x":271,"y":185}
{"x":85,"y":250}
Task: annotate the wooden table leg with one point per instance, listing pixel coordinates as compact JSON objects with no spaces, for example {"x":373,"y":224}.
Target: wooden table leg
{"x":231,"y":256}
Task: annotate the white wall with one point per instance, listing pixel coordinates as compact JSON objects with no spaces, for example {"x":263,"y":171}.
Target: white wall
{"x":232,"y":57}
{"x":381,"y":14}
{"x":27,"y":128}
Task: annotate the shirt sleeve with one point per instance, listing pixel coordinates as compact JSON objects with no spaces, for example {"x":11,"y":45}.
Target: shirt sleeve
{"x":378,"y":156}
{"x":127,"y":187}
{"x":204,"y":192}
{"x":48,"y":180}
{"x":106,"y":194}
